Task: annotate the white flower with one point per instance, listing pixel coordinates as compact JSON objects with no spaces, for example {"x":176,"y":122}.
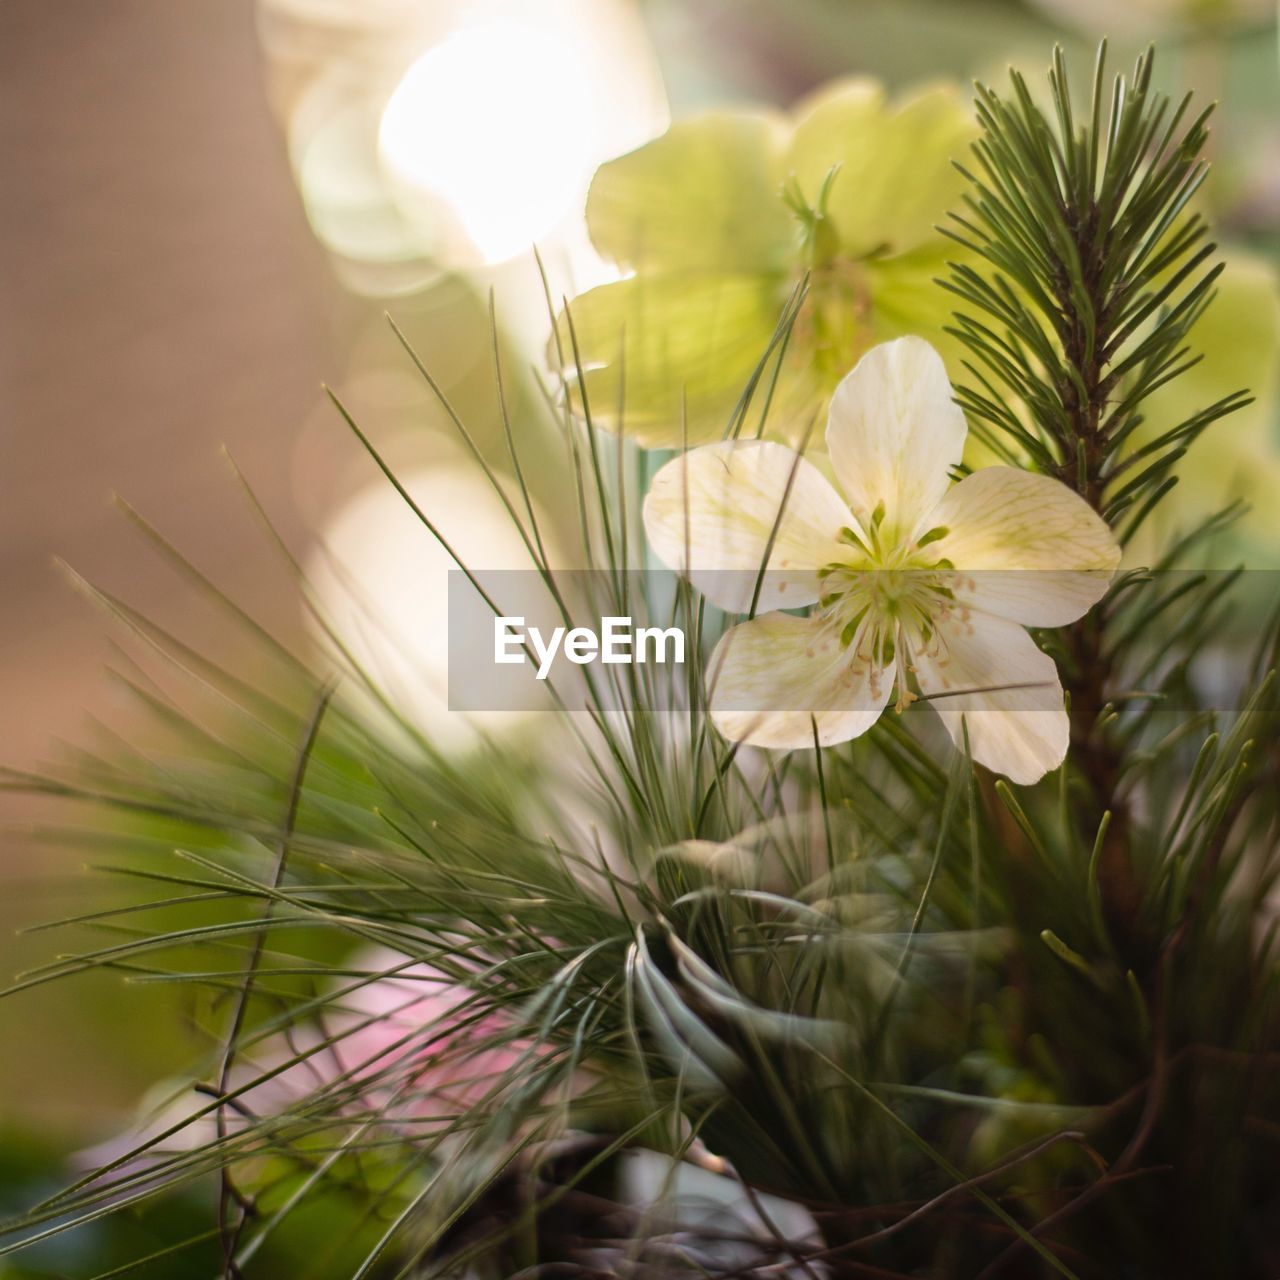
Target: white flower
{"x":918,"y":583}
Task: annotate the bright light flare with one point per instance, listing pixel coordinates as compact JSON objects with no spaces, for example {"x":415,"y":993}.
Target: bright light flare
{"x":382,"y":583}
{"x":493,"y":131}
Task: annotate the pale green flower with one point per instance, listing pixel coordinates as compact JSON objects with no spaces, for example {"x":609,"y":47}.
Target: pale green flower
{"x":916,"y":583}
{"x":718,"y":221}
{"x":1237,"y":459}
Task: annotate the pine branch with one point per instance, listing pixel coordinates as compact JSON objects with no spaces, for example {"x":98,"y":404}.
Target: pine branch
{"x":1094,"y":272}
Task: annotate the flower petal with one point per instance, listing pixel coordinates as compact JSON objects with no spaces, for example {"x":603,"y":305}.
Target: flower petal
{"x":703,"y":196}
{"x":666,"y":355}
{"x":710,"y":513}
{"x":894,"y":179}
{"x":772,"y":677}
{"x":894,"y":433}
{"x":1014,"y":711}
{"x":905,"y":298}
{"x":1028,"y":548}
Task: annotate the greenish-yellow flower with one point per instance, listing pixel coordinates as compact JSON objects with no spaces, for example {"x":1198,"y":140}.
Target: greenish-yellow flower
{"x":722,"y":217}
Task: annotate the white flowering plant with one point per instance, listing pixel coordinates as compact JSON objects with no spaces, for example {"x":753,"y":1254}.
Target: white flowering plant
{"x":917,"y":582}
{"x":746,"y":969}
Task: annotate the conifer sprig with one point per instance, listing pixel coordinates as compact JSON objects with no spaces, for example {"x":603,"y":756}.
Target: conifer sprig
{"x":1094,"y":270}
{"x":1088,"y":271}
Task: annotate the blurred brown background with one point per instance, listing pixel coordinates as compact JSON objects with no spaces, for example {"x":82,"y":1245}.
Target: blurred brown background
{"x":161,"y":295}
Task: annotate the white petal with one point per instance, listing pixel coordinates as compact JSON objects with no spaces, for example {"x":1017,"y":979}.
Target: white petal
{"x":710,"y":513}
{"x":1017,"y":723}
{"x":770,"y":678}
{"x":1028,"y":548}
{"x":894,"y":433}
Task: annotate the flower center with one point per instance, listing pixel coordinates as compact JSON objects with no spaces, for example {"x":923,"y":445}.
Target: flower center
{"x":834,"y":323}
{"x":836,"y":317}
{"x":887,"y":598}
